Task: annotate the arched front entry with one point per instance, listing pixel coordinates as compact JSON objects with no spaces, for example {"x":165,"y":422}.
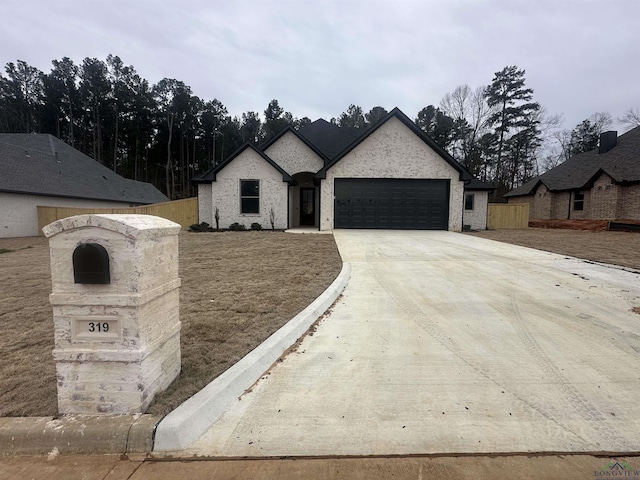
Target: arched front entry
{"x":304,"y":201}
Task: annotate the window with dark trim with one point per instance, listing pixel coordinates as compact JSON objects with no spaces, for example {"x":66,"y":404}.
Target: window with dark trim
{"x":578,"y":200}
{"x":249,"y":196}
{"x":468,"y":201}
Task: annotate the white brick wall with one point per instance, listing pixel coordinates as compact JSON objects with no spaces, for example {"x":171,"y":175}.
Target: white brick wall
{"x":19,"y":213}
{"x":293,"y":155}
{"x":204,"y":204}
{"x":225,"y":192}
{"x":477,"y":217}
{"x":393,"y":151}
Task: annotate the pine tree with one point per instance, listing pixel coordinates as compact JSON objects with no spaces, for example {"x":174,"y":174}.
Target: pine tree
{"x":513,"y":111}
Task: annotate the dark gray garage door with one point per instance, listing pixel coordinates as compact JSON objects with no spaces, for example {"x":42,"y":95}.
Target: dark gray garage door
{"x":391,"y":203}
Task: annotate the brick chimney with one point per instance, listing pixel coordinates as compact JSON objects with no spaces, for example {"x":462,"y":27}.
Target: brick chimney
{"x":608,"y":140}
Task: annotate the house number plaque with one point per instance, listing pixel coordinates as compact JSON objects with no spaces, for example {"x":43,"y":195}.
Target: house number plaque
{"x":96,"y":328}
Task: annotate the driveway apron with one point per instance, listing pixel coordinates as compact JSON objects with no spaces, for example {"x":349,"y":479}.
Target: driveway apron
{"x":447,"y":343}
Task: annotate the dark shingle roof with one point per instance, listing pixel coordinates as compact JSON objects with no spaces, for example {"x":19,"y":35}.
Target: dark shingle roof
{"x":476,"y":184}
{"x":622,"y":163}
{"x":330,"y":139}
{"x":41,"y":164}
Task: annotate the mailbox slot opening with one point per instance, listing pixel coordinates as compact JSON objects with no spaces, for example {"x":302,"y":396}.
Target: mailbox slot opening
{"x":91,"y":264}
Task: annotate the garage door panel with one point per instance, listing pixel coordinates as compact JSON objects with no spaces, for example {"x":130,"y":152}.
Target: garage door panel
{"x":421,"y":204}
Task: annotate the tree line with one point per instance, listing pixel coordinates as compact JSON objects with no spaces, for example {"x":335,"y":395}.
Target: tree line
{"x":164,"y":134}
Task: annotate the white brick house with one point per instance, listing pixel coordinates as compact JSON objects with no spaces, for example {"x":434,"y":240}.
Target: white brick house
{"x":390,"y":176}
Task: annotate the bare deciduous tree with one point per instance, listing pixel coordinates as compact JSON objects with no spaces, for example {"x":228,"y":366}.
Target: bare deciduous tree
{"x":602,"y":121}
{"x":467,"y":107}
{"x":631,"y":118}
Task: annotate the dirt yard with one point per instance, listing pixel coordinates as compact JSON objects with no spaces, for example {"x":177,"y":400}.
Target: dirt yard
{"x":618,"y":248}
{"x":237,"y":289}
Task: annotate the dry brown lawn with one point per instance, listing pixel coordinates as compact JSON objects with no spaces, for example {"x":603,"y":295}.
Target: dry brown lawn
{"x":618,"y":248}
{"x":237,"y":289}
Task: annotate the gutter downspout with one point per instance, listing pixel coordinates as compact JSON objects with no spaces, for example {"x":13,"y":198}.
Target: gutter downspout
{"x":569,"y":209}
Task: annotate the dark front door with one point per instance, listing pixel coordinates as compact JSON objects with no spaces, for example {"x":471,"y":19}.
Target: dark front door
{"x":307,"y":206}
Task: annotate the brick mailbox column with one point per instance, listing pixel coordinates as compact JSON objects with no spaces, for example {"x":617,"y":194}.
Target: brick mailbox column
{"x":115,"y":309}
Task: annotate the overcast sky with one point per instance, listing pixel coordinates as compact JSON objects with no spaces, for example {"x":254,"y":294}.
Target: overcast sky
{"x":317,"y":57}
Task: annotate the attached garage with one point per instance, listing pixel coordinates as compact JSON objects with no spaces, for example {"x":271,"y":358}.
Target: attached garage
{"x":392,"y":203}
{"x":392,"y":177}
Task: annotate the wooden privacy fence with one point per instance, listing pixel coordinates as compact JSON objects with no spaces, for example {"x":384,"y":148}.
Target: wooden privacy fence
{"x":503,"y":215}
{"x":184,"y":212}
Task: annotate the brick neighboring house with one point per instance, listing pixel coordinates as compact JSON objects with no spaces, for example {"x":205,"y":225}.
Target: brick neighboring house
{"x":602,"y":184}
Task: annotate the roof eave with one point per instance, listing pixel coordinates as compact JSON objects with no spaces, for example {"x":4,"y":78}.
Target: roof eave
{"x":78,"y":197}
{"x":480,"y":189}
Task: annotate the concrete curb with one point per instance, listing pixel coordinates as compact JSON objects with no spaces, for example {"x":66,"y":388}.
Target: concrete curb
{"x":77,"y":434}
{"x":190,"y":420}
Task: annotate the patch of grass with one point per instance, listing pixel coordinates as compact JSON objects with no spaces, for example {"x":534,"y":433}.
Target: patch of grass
{"x":617,"y":248}
{"x":6,"y":250}
{"x":236,"y":290}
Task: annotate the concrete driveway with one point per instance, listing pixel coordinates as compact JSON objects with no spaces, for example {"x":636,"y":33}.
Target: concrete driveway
{"x":446,"y":343}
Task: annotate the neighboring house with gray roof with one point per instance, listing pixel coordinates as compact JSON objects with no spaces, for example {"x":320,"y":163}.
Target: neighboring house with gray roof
{"x":602,"y":184}
{"x":389,"y":176}
{"x":42,"y":170}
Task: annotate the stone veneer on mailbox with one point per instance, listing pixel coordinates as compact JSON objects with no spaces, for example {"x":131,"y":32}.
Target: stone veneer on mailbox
{"x":116,"y":344}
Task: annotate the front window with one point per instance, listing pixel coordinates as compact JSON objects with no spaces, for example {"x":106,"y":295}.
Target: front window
{"x":249,"y":196}
{"x":578,"y":201}
{"x":468,"y":201}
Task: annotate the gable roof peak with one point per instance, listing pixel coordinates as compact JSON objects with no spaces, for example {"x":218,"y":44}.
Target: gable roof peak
{"x":396,"y":113}
{"x":289,"y":129}
{"x":210,"y":175}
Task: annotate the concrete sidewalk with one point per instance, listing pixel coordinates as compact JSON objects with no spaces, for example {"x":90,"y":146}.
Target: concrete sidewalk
{"x":472,"y":468}
{"x":444,"y":343}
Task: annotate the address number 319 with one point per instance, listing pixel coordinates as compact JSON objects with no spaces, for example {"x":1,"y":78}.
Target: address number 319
{"x":98,"y":327}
